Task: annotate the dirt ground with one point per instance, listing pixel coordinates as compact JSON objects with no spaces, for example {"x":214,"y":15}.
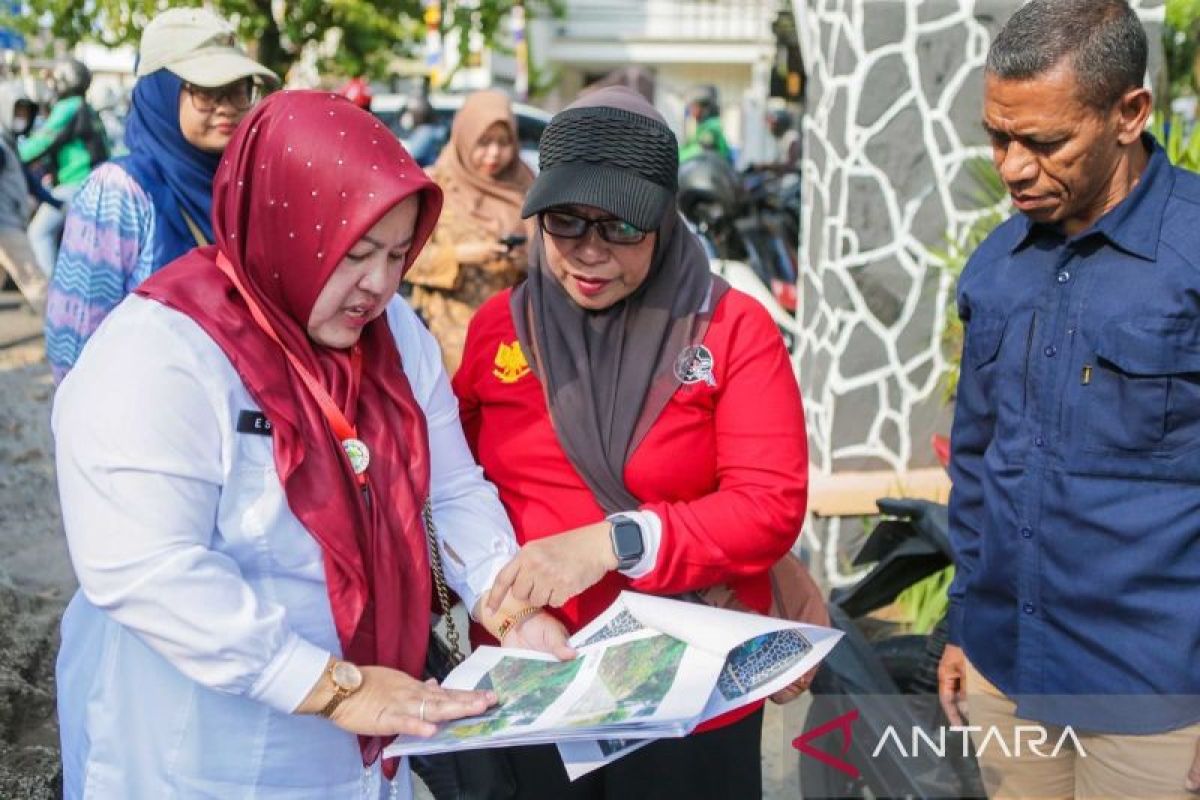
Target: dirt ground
{"x":35,"y":575}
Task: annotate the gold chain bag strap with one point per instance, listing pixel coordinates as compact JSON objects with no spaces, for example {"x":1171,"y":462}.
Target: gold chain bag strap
{"x":439,"y":583}
{"x":474,"y":774}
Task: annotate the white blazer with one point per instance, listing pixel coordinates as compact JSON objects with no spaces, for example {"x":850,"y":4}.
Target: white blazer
{"x":202,"y":618}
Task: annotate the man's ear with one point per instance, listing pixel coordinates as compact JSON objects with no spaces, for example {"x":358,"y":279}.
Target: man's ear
{"x":1132,"y":112}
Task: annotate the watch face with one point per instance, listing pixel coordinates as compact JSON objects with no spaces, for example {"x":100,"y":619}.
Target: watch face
{"x":346,"y":676}
{"x":627,"y":541}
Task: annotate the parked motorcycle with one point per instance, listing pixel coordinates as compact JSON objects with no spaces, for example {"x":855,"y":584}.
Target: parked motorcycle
{"x":888,"y":682}
{"x":746,"y":236}
{"x":769,"y":229}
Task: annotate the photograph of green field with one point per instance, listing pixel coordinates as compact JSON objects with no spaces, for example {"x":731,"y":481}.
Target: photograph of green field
{"x":632,"y":681}
{"x":526,"y":689}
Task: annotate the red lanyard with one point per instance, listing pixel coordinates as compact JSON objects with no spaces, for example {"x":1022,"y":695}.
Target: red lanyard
{"x":346,"y":432}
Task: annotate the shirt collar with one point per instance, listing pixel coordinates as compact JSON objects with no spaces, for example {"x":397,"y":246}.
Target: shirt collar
{"x":1133,"y":225}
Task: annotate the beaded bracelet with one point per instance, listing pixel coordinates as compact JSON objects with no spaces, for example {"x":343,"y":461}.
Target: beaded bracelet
{"x":516,"y":619}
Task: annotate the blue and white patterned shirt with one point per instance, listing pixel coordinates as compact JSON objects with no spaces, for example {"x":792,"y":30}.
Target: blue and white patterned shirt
{"x":107,"y":250}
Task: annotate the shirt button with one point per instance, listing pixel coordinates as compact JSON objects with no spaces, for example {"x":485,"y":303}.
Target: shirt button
{"x":1027,"y":533}
{"x":1051,"y":351}
{"x":1063,"y":276}
{"x":1038,"y":441}
{"x":1027,"y":608}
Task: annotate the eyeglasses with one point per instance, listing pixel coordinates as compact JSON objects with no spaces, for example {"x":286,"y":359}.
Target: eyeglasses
{"x":564,"y":225}
{"x":239,"y":95}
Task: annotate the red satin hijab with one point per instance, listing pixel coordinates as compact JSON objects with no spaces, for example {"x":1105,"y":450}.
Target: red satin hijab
{"x":305,"y":176}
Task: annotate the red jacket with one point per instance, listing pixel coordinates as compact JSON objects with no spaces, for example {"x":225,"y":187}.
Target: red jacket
{"x":724,"y":467}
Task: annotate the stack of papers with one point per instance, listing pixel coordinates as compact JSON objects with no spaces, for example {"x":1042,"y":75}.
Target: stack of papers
{"x":648,"y":668}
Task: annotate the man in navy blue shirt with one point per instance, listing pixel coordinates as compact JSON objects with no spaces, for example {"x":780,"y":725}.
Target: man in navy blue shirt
{"x":1075,"y":514}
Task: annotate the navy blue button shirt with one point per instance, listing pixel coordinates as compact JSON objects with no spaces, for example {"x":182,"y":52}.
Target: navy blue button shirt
{"x":1075,"y":513}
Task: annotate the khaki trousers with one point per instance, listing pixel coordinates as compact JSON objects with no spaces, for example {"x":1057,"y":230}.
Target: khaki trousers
{"x":1115,"y":766}
{"x":17,"y":259}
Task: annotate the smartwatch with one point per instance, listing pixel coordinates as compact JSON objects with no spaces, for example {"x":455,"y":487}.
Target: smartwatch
{"x":627,"y":541}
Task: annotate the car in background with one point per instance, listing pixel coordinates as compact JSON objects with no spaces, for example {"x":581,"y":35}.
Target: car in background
{"x":425,"y":144}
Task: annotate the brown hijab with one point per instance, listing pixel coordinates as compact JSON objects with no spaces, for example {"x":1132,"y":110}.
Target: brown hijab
{"x":494,"y":202}
{"x":608,"y":374}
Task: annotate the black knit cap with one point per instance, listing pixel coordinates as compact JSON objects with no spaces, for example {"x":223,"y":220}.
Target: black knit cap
{"x":613,"y":158}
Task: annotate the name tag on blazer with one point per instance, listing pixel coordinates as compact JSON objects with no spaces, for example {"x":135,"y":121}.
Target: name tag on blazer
{"x":254,"y":422}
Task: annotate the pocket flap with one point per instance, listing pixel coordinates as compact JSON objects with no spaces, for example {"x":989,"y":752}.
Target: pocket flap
{"x":1139,"y":349}
{"x":984,"y":334}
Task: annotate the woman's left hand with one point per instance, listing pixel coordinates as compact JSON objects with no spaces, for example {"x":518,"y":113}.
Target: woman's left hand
{"x":793,"y":690}
{"x":543,"y":632}
{"x":550,"y":571}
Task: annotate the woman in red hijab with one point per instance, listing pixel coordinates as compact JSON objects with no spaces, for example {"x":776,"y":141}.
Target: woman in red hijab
{"x":244,"y":450}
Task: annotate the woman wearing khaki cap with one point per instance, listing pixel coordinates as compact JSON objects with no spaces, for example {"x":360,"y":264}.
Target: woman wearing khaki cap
{"x":136,"y":214}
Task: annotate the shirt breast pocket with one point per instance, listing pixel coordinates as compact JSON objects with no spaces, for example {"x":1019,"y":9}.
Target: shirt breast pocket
{"x":995,"y":357}
{"x":995,"y":366}
{"x":1142,"y":398}
{"x":984,"y":335}
{"x":256,"y":519}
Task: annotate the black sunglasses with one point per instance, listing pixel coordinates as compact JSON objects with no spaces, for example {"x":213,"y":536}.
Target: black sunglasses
{"x":241,"y":94}
{"x":565,"y":225}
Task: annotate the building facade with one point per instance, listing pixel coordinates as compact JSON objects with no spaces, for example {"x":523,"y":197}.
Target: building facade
{"x":682,"y":43}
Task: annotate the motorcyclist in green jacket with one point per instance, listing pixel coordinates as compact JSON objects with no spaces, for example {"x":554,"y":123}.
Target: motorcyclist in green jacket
{"x":704,"y":108}
{"x":70,"y":144}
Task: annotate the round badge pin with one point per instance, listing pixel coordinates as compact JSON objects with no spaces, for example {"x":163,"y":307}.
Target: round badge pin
{"x":359,"y":455}
{"x":695,"y":365}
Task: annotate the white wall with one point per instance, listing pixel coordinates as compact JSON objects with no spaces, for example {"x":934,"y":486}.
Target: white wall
{"x":726,"y":43}
{"x":668,"y":20}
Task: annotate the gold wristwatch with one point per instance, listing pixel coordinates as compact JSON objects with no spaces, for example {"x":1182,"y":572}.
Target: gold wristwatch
{"x":347,"y":679}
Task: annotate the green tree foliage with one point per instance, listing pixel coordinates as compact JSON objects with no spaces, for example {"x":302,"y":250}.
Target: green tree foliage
{"x":370,"y":33}
{"x":1182,"y":14}
{"x":991,"y":197}
{"x":1181,"y":73}
{"x":1181,"y":142}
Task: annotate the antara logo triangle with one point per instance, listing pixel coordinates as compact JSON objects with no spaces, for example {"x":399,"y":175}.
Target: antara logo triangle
{"x":803,"y":743}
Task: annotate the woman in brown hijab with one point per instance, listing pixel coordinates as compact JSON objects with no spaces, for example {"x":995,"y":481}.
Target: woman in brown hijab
{"x":467,"y":260}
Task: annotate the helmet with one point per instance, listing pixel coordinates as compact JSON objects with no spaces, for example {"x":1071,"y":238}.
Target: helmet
{"x":358,"y":92}
{"x":70,"y":78}
{"x":17,"y":111}
{"x":709,"y":189}
{"x":706,"y":100}
{"x":778,"y":120}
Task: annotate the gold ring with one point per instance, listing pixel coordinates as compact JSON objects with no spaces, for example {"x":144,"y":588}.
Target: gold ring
{"x":421,"y":714}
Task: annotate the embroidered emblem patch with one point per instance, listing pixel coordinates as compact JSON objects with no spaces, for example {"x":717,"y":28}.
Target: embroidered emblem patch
{"x":511,"y":365}
{"x":695,"y":365}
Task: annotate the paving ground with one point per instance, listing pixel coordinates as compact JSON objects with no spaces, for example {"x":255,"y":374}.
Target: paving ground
{"x":36,"y":581}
